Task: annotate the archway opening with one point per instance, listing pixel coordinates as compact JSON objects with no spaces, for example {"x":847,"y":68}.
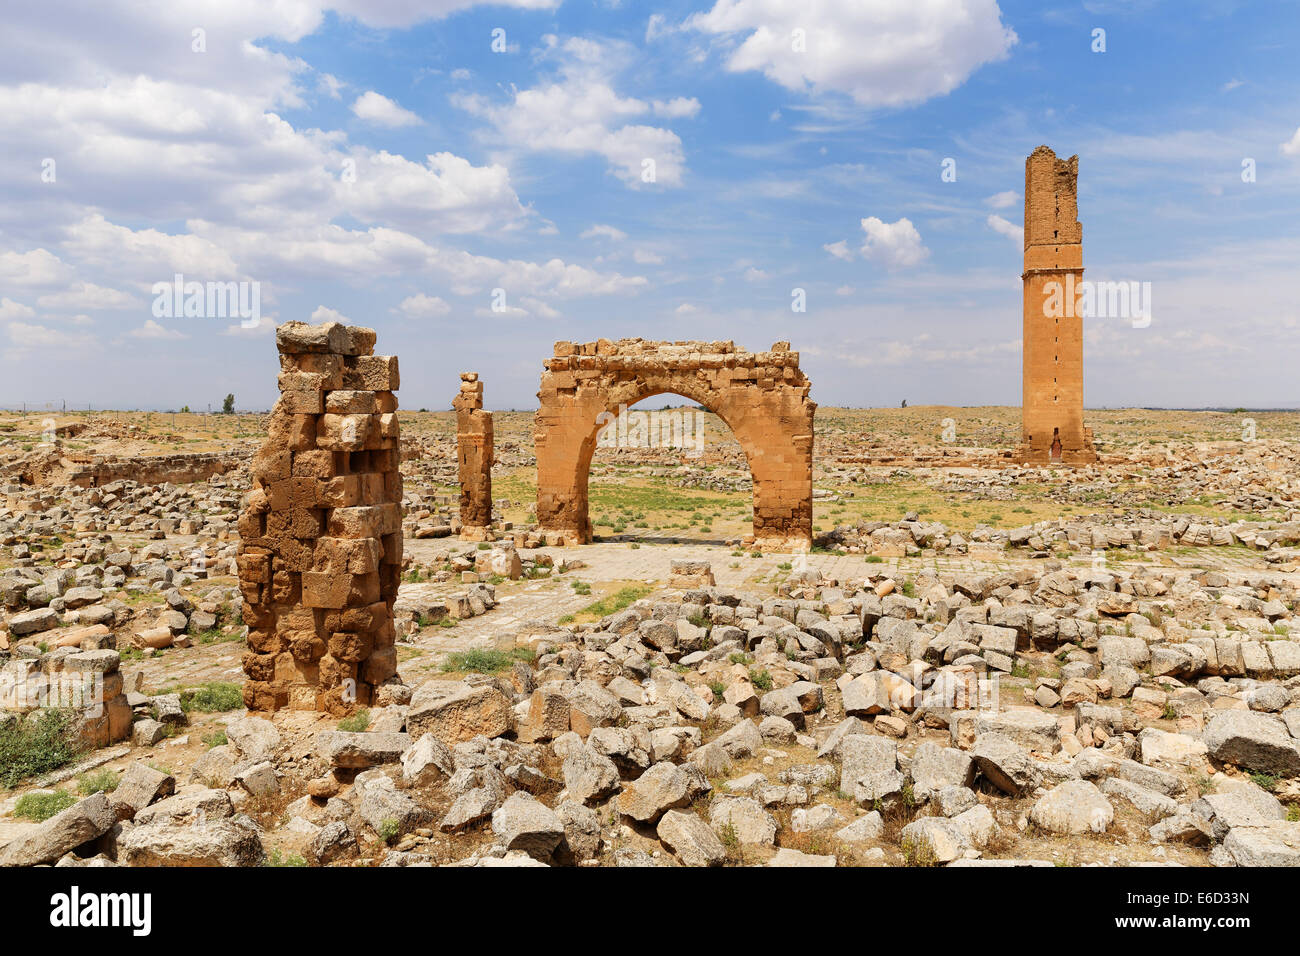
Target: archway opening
{"x":667,"y":469}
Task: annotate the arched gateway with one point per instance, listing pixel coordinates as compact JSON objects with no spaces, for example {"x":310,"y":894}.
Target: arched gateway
{"x":761,"y":396}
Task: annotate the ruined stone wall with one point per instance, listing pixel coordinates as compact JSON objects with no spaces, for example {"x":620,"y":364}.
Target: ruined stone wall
{"x":82,"y":676}
{"x":761,"y":396}
{"x":52,"y":466}
{"x":157,"y":469}
{"x":1052,"y":418}
{"x":321,"y":533}
{"x":474,"y":453}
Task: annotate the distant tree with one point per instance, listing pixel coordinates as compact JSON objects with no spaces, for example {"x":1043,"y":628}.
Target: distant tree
{"x":228,"y":406}
{"x":904,"y":405}
{"x":185,"y":409}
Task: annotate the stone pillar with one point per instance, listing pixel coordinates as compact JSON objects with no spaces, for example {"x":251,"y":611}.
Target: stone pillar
{"x":475,"y":454}
{"x":320,"y":551}
{"x":1052,"y":428}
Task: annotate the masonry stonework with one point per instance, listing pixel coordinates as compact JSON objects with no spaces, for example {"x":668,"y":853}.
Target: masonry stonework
{"x":321,"y":532}
{"x":761,"y":396}
{"x":474,"y":452}
{"x":1052,"y":412}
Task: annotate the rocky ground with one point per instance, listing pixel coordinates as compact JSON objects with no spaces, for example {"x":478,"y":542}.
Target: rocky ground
{"x":979,"y":664}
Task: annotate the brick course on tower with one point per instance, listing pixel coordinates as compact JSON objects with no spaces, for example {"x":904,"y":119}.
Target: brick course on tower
{"x":1052,"y":427}
{"x":320,"y":549}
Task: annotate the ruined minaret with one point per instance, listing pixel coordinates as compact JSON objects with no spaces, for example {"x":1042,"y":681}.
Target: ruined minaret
{"x":1052,"y":427}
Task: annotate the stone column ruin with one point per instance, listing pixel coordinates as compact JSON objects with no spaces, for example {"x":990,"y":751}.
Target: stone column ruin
{"x":320,"y":551}
{"x":475,"y":453}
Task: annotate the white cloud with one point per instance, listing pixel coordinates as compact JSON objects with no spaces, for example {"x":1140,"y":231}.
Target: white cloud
{"x":656,"y":27}
{"x":257,"y":197}
{"x":882,"y":53}
{"x":1002,"y":200}
{"x":913,"y":352}
{"x":1005,"y":228}
{"x":334,"y":252}
{"x":11,"y":310}
{"x":330,"y":85}
{"x":200,"y":141}
{"x":679,"y":107}
{"x":1292,"y":146}
{"x":840,"y":250}
{"x":264,"y":327}
{"x":174,"y":150}
{"x":324,"y":313}
{"x":26,"y":336}
{"x":504,"y":312}
{"x":559,"y":278}
{"x":152,"y":330}
{"x":147,"y":254}
{"x":422,"y":306}
{"x":376,"y":108}
{"x":580,"y":113}
{"x":647,"y":258}
{"x":449,"y":194}
{"x":35,"y":268}
{"x":183,"y":154}
{"x":751,"y":274}
{"x":405,"y":13}
{"x":537,"y":307}
{"x":608,"y":232}
{"x":895,"y":245}
{"x":84,"y":296}
{"x":64,"y":41}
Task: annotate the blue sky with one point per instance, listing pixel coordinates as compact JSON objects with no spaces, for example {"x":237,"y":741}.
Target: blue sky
{"x":521,"y":171}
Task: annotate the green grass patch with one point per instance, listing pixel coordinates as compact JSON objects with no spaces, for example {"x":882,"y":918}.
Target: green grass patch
{"x":211,"y":698}
{"x":97,"y":781}
{"x":41,"y":806}
{"x":613,"y":603}
{"x":1265,"y":781}
{"x":30,"y":747}
{"x":278,"y":857}
{"x":356,"y":723}
{"x":480,"y":661}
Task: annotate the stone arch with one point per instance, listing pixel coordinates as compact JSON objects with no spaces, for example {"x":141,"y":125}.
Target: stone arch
{"x":761,"y":396}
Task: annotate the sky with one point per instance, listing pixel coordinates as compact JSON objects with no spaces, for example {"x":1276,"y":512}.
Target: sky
{"x":477,"y":181}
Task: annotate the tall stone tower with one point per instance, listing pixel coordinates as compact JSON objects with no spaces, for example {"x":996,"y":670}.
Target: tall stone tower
{"x":1052,"y":427}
